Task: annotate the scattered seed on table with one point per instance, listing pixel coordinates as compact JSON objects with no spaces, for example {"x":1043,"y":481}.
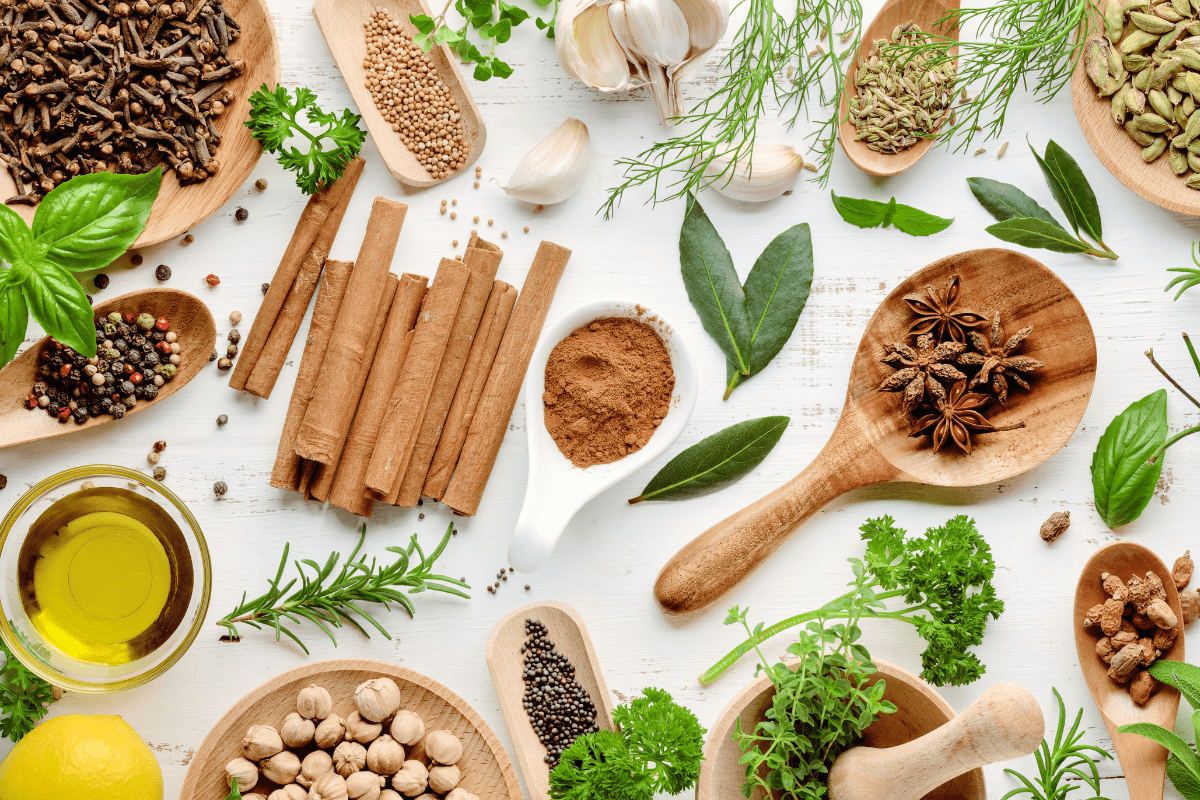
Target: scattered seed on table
{"x":3,"y":481}
{"x":232,"y":350}
{"x":453,"y":202}
{"x":527,"y":587}
{"x":160,"y":473}
{"x":219,"y":488}
{"x":265,"y":286}
{"x":453,"y":215}
{"x":443,"y":210}
{"x":159,"y":446}
{"x":474,"y":232}
{"x":261,"y":184}
{"x":491,"y":590}
{"x":100,"y":281}
{"x":221,"y":420}
{"x":162,"y":272}
{"x":443,"y":203}
{"x":490,"y":223}
{"x":234,"y":336}
{"x":211,"y":279}
{"x":458,"y":257}
{"x":510,"y":569}
{"x":235,"y":317}
{"x":224,"y":364}
{"x":241,"y":215}
{"x":136,"y":259}
{"x":152,"y":457}
{"x":474,"y":219}
{"x":503,"y":234}
{"x":527,"y":229}
{"x":213,"y":357}
{"x":1003,"y":148}
{"x":476,"y":184}
{"x":981,"y":151}
{"x":189,"y":239}
{"x":420,"y":516}
{"x":497,"y":584}
{"x":420,"y":502}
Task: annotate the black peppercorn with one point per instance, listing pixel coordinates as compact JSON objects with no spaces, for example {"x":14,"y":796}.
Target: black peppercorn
{"x":80,"y":416}
{"x":162,"y":272}
{"x":136,"y":356}
{"x":213,"y":357}
{"x":219,"y":488}
{"x":150,"y":360}
{"x":221,"y":420}
{"x":241,"y":215}
{"x":100,"y":281}
{"x":118,"y":410}
{"x":234,"y":336}
{"x":126,"y":388}
{"x":121,"y":345}
{"x":149,"y":391}
{"x":265,"y":286}
{"x":138,"y":340}
{"x":157,"y":336}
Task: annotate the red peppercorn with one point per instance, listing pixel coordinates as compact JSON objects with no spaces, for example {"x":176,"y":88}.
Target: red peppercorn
{"x":64,"y":415}
{"x":127,"y":369}
{"x":162,"y":324}
{"x":129,"y":318}
{"x":212,"y":280}
{"x":31,"y":400}
{"x":64,"y":370}
{"x":135,"y":378}
{"x":164,"y":348}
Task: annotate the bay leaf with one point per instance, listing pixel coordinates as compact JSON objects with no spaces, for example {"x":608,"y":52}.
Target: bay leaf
{"x":1030,"y":232}
{"x":1071,"y":189}
{"x":1005,"y":201}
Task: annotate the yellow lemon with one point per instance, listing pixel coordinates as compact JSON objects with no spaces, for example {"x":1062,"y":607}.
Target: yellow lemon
{"x":81,"y":757}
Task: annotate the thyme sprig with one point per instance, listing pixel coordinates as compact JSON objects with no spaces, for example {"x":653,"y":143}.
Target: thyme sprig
{"x":795,"y":64}
{"x":330,"y":600}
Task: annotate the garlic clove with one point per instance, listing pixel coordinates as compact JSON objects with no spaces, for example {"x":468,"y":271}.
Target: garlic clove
{"x":769,"y":172}
{"x":389,"y":794}
{"x":385,"y":756}
{"x":296,"y":731}
{"x":349,"y":758}
{"x":331,"y":731}
{"x":361,"y":730}
{"x":329,"y":787}
{"x":589,"y":51}
{"x":377,"y":699}
{"x":289,"y":792}
{"x":555,"y":168}
{"x":706,"y":23}
{"x":461,"y":794}
{"x":444,"y":778}
{"x":659,"y":30}
{"x":314,"y":702}
{"x":364,"y":786}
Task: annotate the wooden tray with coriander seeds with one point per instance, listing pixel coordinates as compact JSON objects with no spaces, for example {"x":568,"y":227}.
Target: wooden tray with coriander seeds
{"x":486,"y":769}
{"x":342,"y":24}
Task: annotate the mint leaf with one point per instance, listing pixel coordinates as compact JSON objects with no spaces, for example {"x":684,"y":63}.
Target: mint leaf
{"x":91,"y":220}
{"x":15,"y":237}
{"x":1032,"y":232}
{"x":860,"y":212}
{"x":58,"y":303}
{"x":422,"y":22}
{"x":916,"y":222}
{"x":872,"y":214}
{"x":1005,"y":201}
{"x":14,"y":318}
{"x":1123,"y":479}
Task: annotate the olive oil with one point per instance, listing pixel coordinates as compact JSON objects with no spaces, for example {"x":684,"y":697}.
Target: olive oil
{"x":105,"y":576}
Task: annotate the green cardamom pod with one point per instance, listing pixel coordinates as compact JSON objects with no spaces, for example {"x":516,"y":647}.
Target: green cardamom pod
{"x":1193,"y":28}
{"x":1178,"y":161}
{"x":1135,"y":101}
{"x":1118,"y":104}
{"x":1139,"y":136}
{"x":1134,"y":5}
{"x":1165,"y":73}
{"x":1189,"y":57}
{"x":1151,"y":23}
{"x":1111,"y":87}
{"x":1135,"y":62}
{"x":1193,"y":161}
{"x":1154,"y":149}
{"x":1150,"y":123}
{"x":1182,"y":7}
{"x":1192,"y":84}
{"x":1179,"y":142}
{"x":1180,"y":117}
{"x":1174,"y":95}
{"x":1137,"y":40}
{"x":1114,"y":20}
{"x":1161,"y":105}
{"x":1167,"y":12}
{"x":1169,"y":37}
{"x":1096,"y":61}
{"x":1194,"y":147}
{"x":1188,"y":105}
{"x":1193,"y":181}
{"x":1142,"y":79}
{"x":1191,"y":128}
{"x":1191,"y":42}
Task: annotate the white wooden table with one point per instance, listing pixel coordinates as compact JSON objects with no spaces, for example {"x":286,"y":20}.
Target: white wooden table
{"x":607,"y":561}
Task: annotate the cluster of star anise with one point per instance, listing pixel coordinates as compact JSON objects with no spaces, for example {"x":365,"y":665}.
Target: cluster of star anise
{"x":951,"y":360}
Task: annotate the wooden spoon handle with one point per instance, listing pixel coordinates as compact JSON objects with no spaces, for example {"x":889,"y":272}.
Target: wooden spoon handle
{"x":1005,"y":722}
{"x":716,"y":560}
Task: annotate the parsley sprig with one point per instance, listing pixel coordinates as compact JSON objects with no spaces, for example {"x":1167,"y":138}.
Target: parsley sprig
{"x":24,"y":697}
{"x":329,"y":600}
{"x":275,"y":118}
{"x":945,"y":579}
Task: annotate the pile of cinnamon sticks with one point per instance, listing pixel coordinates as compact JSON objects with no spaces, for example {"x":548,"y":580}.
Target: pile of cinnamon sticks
{"x":407,"y":384}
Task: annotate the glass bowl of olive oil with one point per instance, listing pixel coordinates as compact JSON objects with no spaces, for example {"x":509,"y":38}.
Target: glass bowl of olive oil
{"x":104,"y":579}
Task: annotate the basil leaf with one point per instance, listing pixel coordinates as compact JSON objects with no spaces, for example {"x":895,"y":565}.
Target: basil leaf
{"x":712,"y":285}
{"x":1123,"y":478}
{"x":860,"y":212}
{"x":14,"y":317}
{"x":916,"y":222}
{"x":1005,"y":201}
{"x":1030,"y":232}
{"x":58,"y":303}
{"x":1070,"y":189}
{"x":89,"y":221}
{"x":873,"y":214}
{"x":15,"y":238}
{"x":715,"y":461}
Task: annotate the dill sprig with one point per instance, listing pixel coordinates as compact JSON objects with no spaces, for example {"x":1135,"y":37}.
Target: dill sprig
{"x":795,"y":64}
{"x":329,"y":601}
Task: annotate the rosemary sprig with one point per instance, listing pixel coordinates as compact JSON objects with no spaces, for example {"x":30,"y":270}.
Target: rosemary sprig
{"x":331,"y":601}
{"x":1063,"y":766}
{"x":1188,"y":277}
{"x":796,"y":64}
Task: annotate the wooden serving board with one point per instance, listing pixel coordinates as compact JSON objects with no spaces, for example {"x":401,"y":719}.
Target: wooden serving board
{"x":341,"y":23}
{"x":506,"y":663}
{"x":486,"y":768}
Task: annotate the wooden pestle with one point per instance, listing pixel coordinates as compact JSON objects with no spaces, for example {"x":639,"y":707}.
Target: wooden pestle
{"x":1003,"y":723}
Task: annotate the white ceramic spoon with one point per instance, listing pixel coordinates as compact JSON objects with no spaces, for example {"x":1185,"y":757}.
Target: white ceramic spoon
{"x":557,"y":489}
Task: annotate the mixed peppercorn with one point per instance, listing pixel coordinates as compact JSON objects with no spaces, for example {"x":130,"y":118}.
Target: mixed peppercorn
{"x":135,"y":356}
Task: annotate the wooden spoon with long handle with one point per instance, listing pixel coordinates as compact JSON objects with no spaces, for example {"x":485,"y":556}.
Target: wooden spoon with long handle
{"x":871,"y":443}
{"x":1003,"y":723}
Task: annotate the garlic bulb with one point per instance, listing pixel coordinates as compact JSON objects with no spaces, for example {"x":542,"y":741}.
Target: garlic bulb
{"x":377,"y":699}
{"x":315,"y":764}
{"x":617,"y":45}
{"x":555,"y":168}
{"x":244,"y":772}
{"x":412,"y":779}
{"x":770,"y":171}
{"x":281,"y":768}
{"x":360,"y":730}
{"x":261,"y":741}
{"x":329,"y":787}
{"x":443,"y":779}
{"x":407,"y":728}
{"x":349,"y":758}
{"x":296,"y":731}
{"x":290,"y":792}
{"x":443,"y":747}
{"x":385,"y":755}
{"x":364,"y":786}
{"x":314,"y":702}
{"x":329,"y":732}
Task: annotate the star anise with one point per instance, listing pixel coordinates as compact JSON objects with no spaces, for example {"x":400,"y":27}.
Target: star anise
{"x":997,"y":362}
{"x":956,"y":419}
{"x":938,"y":313}
{"x":920,"y":371}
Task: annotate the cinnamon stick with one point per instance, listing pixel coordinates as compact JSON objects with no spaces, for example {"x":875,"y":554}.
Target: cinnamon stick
{"x":504,"y":382}
{"x":324,"y":474}
{"x":406,"y":407}
{"x":483,"y":264}
{"x":321,"y":217}
{"x":287,"y":324}
{"x":470,"y":387}
{"x":330,"y":412}
{"x":348,"y":486}
{"x":286,"y":473}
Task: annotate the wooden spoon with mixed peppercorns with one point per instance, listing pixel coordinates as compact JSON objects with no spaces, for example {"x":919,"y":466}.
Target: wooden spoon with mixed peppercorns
{"x":956,"y":440}
{"x":185,"y":314}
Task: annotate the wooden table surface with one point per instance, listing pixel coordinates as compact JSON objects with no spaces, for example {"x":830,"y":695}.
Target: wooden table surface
{"x":607,"y":561}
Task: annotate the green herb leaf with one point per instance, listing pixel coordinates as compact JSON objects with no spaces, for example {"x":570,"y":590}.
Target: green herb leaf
{"x":1176,"y":745}
{"x":716,"y":461}
{"x":15,"y":237}
{"x":235,"y":791}
{"x":274,"y":120}
{"x":1183,"y":676}
{"x":712,"y":285}
{"x":14,"y":318}
{"x":665,"y":737}
{"x":1123,"y":475}
{"x":1065,"y":761}
{"x":598,"y":765}
{"x":1183,"y":778}
{"x":24,"y":697}
{"x":90,"y":220}
{"x":1071,"y":190}
{"x":1032,"y":232}
{"x":58,"y":303}
{"x":873,"y":214}
{"x":1005,"y":201}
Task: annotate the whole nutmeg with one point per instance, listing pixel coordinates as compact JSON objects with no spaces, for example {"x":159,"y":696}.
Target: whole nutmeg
{"x":377,"y":699}
{"x":331,"y":731}
{"x":244,"y":772}
{"x":330,"y":786}
{"x":314,"y":765}
{"x":290,"y":792}
{"x":314,"y":702}
{"x":361,"y":730}
{"x":296,"y":731}
{"x":364,"y":786}
{"x":261,"y":741}
{"x":282,"y":768}
{"x":443,"y":747}
{"x":443,"y":779}
{"x":349,"y":758}
{"x":412,"y":779}
{"x":461,"y":794}
{"x":407,"y":728}
{"x":385,"y":756}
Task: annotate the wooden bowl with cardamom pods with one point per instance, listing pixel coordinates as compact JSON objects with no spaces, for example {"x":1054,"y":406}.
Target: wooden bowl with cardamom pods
{"x":485,"y":768}
{"x":1096,"y":111}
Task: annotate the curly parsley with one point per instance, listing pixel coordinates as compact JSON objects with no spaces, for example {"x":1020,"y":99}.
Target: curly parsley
{"x":24,"y":697}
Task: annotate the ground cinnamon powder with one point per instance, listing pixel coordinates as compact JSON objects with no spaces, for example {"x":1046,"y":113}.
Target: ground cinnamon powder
{"x":608,"y":387}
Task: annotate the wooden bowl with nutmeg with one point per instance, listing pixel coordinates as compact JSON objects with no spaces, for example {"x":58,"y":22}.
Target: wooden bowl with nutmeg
{"x":351,"y":729}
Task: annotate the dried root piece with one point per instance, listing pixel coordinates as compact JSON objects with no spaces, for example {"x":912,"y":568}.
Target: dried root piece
{"x":1162,"y":614}
{"x":1140,"y":594}
{"x":1105,"y":649}
{"x":1181,"y":572}
{"x":1142,"y":622}
{"x":1127,"y":659}
{"x":1055,"y":526}
{"x":1189,"y":599}
{"x":1114,"y":587}
{"x":1164,"y":638}
{"x":1111,"y":616}
{"x":1149,"y":652}
{"x":1093,"y":615}
{"x":1142,"y":687}
{"x":1123,"y":638}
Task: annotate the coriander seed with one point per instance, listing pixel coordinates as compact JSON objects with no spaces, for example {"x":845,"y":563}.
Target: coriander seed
{"x":503,"y":234}
{"x":160,"y":473}
{"x":453,"y":202}
{"x":442,"y":211}
{"x":527,"y":229}
{"x":235,"y":317}
{"x":476,"y":184}
{"x":152,"y":457}
{"x":231,"y":350}
{"x":234,"y":336}
{"x":443,"y":203}
{"x":454,"y":243}
{"x":475,"y":219}
{"x":453,"y":215}
{"x":489,"y":223}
